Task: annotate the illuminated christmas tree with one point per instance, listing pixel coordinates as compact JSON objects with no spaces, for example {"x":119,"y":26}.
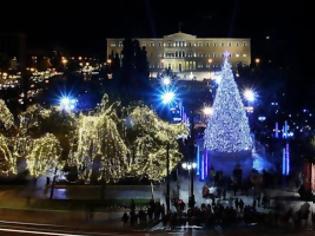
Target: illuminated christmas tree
{"x":228,"y":129}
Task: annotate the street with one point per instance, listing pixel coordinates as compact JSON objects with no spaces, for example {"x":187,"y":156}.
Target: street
{"x":21,"y":228}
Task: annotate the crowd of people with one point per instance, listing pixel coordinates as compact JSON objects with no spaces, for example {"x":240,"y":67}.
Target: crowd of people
{"x":219,"y":212}
{"x":154,"y":213}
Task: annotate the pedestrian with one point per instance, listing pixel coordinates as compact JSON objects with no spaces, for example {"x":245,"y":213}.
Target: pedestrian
{"x":241,"y":205}
{"x":125,"y":218}
{"x":254,"y":203}
{"x":224,"y":194}
{"x":258,"y":199}
{"x":236,"y":203}
{"x":47,"y":181}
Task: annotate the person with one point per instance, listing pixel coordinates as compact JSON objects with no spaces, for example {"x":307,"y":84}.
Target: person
{"x":205,"y":191}
{"x":258,"y":199}
{"x":236,"y":203}
{"x":241,"y":204}
{"x":47,"y":180}
{"x":254,"y":203}
{"x":264,"y":201}
{"x":125,"y":218}
{"x":224,"y":193}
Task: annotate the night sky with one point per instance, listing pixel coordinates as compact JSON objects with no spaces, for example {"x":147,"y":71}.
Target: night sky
{"x":83,"y":26}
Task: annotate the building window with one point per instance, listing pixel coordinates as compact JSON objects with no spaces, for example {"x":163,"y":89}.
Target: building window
{"x":230,"y":44}
{"x":222,"y":44}
{"x":113,"y":44}
{"x":195,"y":54}
{"x":244,"y":44}
{"x":244,"y":55}
{"x":152,"y":44}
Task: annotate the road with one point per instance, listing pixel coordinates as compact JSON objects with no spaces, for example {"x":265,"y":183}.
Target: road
{"x":20,"y":228}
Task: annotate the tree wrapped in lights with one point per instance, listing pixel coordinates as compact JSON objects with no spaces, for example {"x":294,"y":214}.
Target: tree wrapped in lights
{"x":6,"y":117}
{"x":7,"y":159}
{"x":99,"y":141}
{"x":147,"y":138}
{"x":44,"y":156}
{"x":228,"y":129}
{"x":31,"y":120}
{"x":37,"y":121}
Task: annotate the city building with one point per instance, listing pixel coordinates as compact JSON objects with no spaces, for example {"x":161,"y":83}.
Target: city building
{"x":187,"y":54}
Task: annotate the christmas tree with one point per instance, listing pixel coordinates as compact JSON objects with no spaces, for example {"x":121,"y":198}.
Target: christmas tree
{"x":228,"y":129}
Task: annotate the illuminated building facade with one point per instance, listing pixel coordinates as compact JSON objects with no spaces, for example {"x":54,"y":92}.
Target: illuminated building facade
{"x":187,"y":53}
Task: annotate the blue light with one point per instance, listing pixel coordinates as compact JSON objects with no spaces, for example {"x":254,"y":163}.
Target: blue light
{"x":286,"y":160}
{"x":198,"y":160}
{"x":166,"y":81}
{"x":168,"y":97}
{"x":249,"y":95}
{"x":67,"y":103}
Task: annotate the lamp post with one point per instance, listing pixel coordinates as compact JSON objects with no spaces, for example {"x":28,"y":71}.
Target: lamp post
{"x":167,"y":197}
{"x":190,"y":166}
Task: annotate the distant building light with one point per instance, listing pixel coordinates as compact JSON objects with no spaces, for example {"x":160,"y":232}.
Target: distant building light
{"x":262,"y":118}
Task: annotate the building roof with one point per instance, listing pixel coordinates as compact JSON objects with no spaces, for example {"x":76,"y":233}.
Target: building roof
{"x":179,"y":35}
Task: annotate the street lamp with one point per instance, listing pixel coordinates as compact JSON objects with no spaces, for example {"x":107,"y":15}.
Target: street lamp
{"x":64,"y":61}
{"x":190,"y":166}
{"x":67,"y":103}
{"x":207,"y":111}
{"x":166,"y":81}
{"x":168,"y":97}
{"x":249,"y":95}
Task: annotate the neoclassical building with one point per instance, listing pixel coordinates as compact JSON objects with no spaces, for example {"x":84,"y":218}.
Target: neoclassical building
{"x":187,"y":53}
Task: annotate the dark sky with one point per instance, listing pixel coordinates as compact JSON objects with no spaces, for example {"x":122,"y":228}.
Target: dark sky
{"x":83,"y":26}
{"x":79,"y":26}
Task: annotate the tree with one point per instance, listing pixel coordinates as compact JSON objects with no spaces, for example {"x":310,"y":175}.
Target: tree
{"x":99,"y":148}
{"x":7,"y":159}
{"x":228,"y":129}
{"x":44,"y":156}
{"x":147,"y":137}
{"x":6,"y":117}
{"x":133,"y":80}
{"x":36,"y":121}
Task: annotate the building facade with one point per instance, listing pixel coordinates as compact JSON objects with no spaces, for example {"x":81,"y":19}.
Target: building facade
{"x":187,"y":53}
